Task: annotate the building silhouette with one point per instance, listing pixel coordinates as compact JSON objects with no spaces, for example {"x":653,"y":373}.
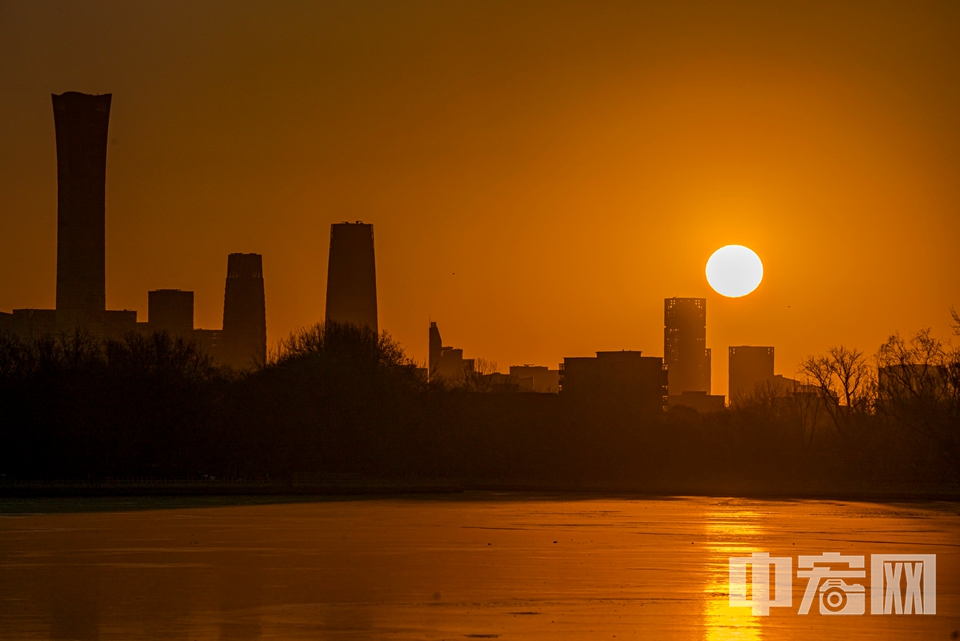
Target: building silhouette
{"x":81,"y":122}
{"x":446,"y":363}
{"x":117,"y":323}
{"x":536,"y":378}
{"x":171,"y":311}
{"x":699,"y":401}
{"x":435,"y":351}
{"x":749,"y":368}
{"x":352,"y":276}
{"x":685,"y":349}
{"x":243,"y":341}
{"x":616,"y":380}
{"x":453,"y":366}
{"x":29,"y":324}
{"x":912,"y":382}
{"x":208,"y":340}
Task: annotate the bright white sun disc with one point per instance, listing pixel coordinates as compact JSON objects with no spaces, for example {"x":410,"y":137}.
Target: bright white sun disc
{"x":734,"y":271}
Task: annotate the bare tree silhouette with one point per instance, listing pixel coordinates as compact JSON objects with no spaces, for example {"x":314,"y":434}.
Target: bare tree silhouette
{"x":478,"y":379}
{"x":919,"y":389}
{"x":913,"y":369}
{"x":844,"y":382}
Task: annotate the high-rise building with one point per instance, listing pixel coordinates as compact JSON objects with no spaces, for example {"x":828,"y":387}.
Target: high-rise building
{"x":81,"y":122}
{"x":171,"y":311}
{"x":352,"y":276}
{"x":243,"y":341}
{"x":436,"y":350}
{"x":749,"y":367}
{"x":685,"y":344}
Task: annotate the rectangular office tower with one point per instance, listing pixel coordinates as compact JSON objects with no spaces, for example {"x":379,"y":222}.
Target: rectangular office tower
{"x":749,"y":367}
{"x":81,"y":126}
{"x":243,"y":341}
{"x":352,"y":276}
{"x":685,"y":345}
{"x":171,"y":311}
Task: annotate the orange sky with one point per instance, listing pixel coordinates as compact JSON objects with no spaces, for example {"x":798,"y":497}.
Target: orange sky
{"x":540,"y":175}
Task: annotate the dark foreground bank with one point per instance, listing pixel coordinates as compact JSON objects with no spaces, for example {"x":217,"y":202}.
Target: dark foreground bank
{"x":340,"y":403}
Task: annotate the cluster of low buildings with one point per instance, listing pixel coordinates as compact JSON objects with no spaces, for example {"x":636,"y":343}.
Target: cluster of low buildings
{"x":682,"y":377}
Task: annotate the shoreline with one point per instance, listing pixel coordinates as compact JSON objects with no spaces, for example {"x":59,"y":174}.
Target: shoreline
{"x":384,"y":487}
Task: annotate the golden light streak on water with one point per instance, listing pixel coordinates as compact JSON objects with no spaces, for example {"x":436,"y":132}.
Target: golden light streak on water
{"x":729,"y":533}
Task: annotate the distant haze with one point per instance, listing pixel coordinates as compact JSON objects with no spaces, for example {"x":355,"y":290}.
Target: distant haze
{"x":540,"y":176}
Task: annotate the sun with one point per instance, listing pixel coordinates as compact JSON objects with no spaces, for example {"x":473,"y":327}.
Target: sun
{"x":734,"y":271}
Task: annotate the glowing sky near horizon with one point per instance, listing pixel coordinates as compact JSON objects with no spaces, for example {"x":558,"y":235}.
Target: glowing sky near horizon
{"x":540,"y":175}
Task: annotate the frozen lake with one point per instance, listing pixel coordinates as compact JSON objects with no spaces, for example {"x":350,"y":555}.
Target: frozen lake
{"x":472,"y":566}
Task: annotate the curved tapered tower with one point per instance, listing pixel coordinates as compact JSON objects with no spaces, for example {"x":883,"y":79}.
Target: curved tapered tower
{"x":81,"y":122}
{"x":352,"y":276}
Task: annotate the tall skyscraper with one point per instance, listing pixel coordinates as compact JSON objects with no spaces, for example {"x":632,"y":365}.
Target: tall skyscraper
{"x":749,"y":366}
{"x":81,"y":122}
{"x":171,"y":311}
{"x":684,"y":344}
{"x":435,"y":350}
{"x":243,"y":341}
{"x":352,"y":276}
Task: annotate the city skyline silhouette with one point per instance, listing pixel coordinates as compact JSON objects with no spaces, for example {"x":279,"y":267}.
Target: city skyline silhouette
{"x":685,"y":370}
{"x":484,"y":166}
{"x":513,"y":319}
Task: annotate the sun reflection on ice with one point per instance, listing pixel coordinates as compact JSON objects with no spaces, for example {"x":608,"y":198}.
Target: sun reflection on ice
{"x":729,"y":532}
